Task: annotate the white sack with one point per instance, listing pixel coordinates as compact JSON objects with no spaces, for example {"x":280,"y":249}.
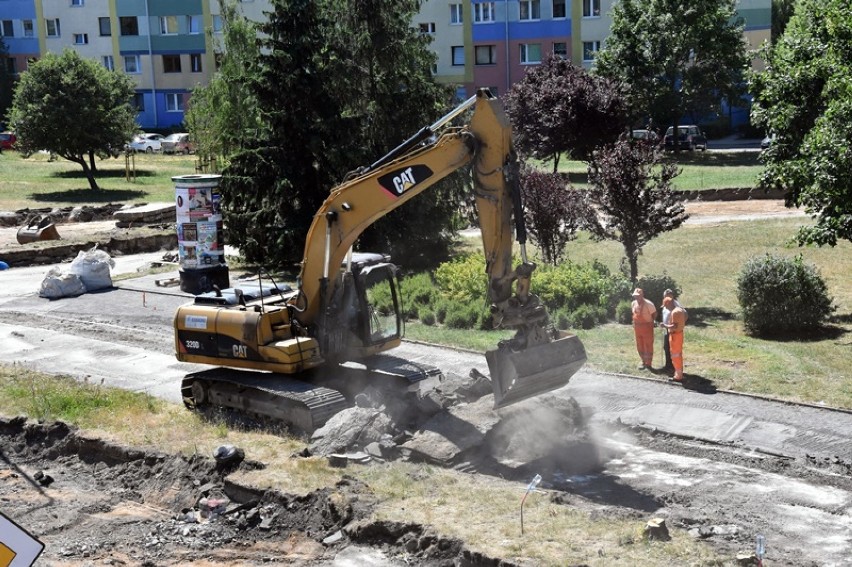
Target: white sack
{"x":93,"y":268}
{"x":56,"y":285}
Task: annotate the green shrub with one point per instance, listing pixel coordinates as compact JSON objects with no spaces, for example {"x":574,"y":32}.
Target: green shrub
{"x":587,"y":316}
{"x":570,"y":285}
{"x":463,"y":279}
{"x":463,"y":316}
{"x":428,"y":318}
{"x":561,"y":319}
{"x":624,"y":312}
{"x":781,"y":296}
{"x":655,"y":285}
{"x":441,"y":307}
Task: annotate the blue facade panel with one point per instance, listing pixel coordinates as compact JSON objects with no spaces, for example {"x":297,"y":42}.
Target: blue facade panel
{"x":519,"y":31}
{"x":17,"y":10}
{"x":156,"y":115}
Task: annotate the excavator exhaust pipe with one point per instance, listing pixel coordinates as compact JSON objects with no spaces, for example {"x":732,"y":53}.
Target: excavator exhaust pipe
{"x":518,"y":375}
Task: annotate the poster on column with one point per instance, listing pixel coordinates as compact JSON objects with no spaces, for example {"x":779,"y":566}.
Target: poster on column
{"x":209,"y":249}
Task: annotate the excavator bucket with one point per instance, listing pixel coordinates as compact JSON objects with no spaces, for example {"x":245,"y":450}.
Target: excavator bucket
{"x":518,"y":375}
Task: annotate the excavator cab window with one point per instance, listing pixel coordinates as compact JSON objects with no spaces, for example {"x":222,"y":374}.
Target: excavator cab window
{"x":381,"y":304}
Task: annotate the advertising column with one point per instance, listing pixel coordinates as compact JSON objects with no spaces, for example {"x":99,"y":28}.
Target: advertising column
{"x":201,"y":246}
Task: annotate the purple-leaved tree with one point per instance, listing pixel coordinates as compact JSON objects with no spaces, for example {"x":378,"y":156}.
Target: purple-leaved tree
{"x":559,"y":108}
{"x":632,"y":197}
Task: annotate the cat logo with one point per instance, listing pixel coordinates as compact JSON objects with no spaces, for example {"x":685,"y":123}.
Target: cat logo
{"x":401,"y":180}
{"x":240,"y":351}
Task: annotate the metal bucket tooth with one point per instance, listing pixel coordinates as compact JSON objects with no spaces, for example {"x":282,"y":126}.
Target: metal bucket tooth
{"x":518,"y":375}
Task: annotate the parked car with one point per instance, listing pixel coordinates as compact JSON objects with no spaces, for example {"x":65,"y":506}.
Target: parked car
{"x":689,"y":138}
{"x":177,"y":144}
{"x":148,"y":143}
{"x":767,"y":141}
{"x":648,"y":135}
{"x":7,"y":140}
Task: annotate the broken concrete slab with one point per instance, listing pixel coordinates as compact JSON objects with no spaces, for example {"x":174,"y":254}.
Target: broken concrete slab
{"x":152,"y":213}
{"x":450,"y":433}
{"x":351,"y":429}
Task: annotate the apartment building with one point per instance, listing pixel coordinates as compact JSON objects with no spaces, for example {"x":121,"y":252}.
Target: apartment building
{"x":164,"y":47}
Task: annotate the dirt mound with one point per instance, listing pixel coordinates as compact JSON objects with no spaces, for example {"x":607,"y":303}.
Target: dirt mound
{"x":88,"y":499}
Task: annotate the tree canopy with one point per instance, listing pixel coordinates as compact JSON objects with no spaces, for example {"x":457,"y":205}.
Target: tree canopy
{"x":553,"y":212}
{"x":633,"y":197}
{"x":675,"y":60}
{"x":804,"y":98}
{"x":338,"y":84}
{"x":73,"y":107}
{"x":559,"y":108}
{"x":224,"y":113}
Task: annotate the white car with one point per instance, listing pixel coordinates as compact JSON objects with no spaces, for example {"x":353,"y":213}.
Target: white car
{"x":148,"y":143}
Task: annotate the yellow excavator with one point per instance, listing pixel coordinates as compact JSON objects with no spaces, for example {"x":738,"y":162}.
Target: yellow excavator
{"x":301,"y":355}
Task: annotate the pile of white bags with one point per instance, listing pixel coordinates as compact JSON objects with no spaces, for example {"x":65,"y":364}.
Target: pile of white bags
{"x":89,"y":271}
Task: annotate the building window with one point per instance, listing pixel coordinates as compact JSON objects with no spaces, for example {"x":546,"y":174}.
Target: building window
{"x":428,"y":28}
{"x":104,"y":26}
{"x":195,"y":62}
{"x":171,"y":63}
{"x":217,"y":24}
{"x":174,"y":102}
{"x":81,"y":38}
{"x":485,"y":54}
{"x":138,"y":102}
{"x":6,"y":29}
{"x":128,"y":25}
{"x":76,"y":2}
{"x":591,"y":8}
{"x":11,"y":66}
{"x":131,"y":64}
{"x":560,"y":49}
{"x":590,"y":49}
{"x":193,"y":24}
{"x":456,"y":14}
{"x":108,"y":62}
{"x":530,"y":53}
{"x":458,"y":55}
{"x":52,"y":27}
{"x":28,"y":28}
{"x":559,"y":10}
{"x":483,"y":12}
{"x":168,"y":25}
{"x":530,"y":10}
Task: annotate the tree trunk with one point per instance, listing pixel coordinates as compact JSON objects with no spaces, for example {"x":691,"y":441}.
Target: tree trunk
{"x":633,"y":260}
{"x":81,"y":161}
{"x":92,"y":162}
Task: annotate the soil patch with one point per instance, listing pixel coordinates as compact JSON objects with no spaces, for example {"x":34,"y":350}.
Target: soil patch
{"x":89,"y":500}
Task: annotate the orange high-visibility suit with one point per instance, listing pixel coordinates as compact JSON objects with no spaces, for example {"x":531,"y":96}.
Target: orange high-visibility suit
{"x":644,"y":314}
{"x":675,"y":327}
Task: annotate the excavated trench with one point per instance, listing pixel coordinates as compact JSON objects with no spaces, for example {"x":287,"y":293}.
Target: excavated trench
{"x":91,"y":500}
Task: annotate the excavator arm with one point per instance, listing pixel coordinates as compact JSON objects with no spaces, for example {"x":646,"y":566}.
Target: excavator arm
{"x":538,"y":358}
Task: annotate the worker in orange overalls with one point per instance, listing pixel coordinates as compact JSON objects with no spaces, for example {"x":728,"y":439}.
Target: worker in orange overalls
{"x":644,"y":314}
{"x":675,"y":326}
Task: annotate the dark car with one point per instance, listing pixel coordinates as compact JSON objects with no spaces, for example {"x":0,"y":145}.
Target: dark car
{"x":7,"y":140}
{"x":648,"y":135}
{"x":689,"y":138}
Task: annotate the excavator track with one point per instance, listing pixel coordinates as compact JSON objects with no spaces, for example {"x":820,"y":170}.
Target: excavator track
{"x":299,"y":405}
{"x":302,"y":405}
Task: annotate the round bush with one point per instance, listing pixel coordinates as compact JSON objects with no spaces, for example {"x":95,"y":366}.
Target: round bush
{"x":781,"y":296}
{"x":428,"y":318}
{"x":655,"y":285}
{"x":623,"y":312}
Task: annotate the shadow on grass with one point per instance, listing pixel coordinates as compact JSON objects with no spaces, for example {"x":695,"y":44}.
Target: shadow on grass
{"x":101,"y":174}
{"x":703,"y":316}
{"x":576,"y":178}
{"x":823,"y":333}
{"x":88,"y":196}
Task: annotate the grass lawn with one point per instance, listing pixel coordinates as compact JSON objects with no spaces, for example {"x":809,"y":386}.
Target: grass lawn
{"x":36,"y":182}
{"x":699,"y":170}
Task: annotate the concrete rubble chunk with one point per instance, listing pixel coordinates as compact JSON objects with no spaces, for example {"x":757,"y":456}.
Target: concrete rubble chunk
{"x":656,"y":529}
{"x":349,"y":430}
